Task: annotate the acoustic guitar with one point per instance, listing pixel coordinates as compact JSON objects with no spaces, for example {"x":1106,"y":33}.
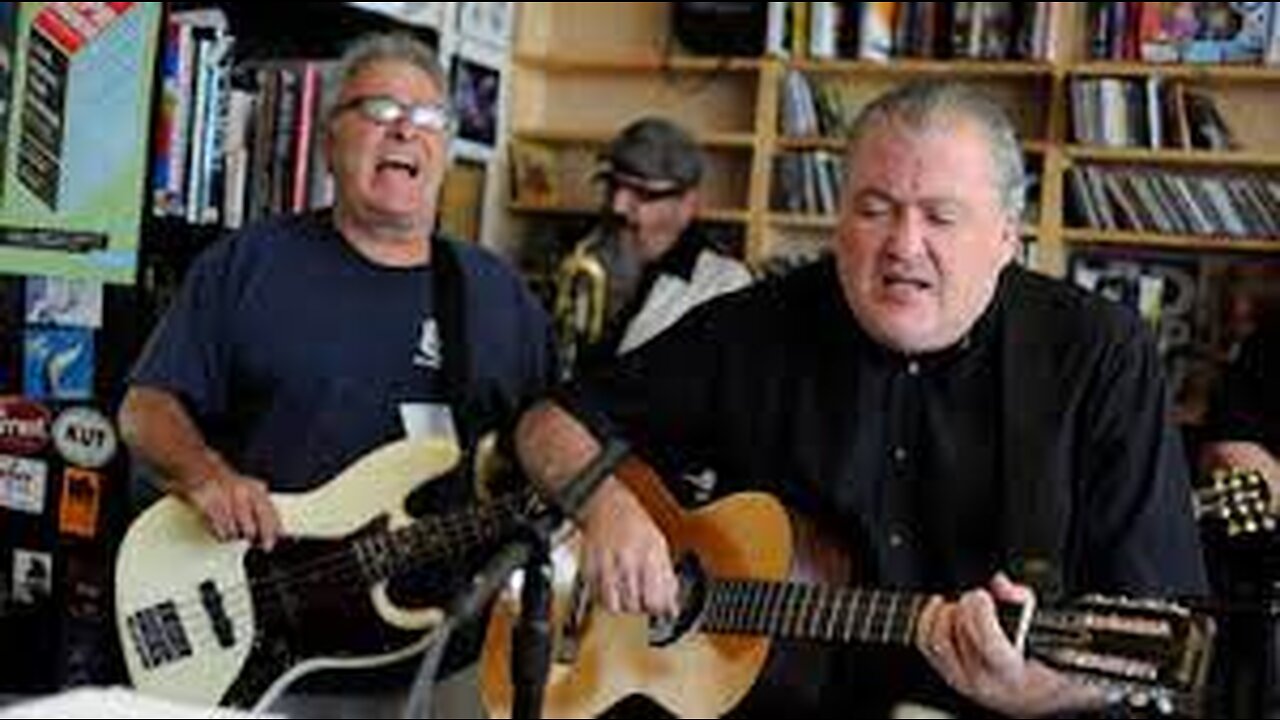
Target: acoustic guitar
{"x":734,"y":561}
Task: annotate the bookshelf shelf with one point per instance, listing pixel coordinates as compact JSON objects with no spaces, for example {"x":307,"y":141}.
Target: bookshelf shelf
{"x":837,"y":144}
{"x":1207,"y":73}
{"x":636,"y":63}
{"x":715,"y":215}
{"x":1190,"y":243}
{"x":907,"y":68}
{"x":596,"y":138}
{"x":1193,"y":158}
{"x":803,"y":221}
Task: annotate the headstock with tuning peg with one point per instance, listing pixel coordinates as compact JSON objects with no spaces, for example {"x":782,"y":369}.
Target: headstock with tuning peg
{"x":1237,"y":499}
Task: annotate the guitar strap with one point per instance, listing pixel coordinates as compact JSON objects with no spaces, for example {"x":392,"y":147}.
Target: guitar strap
{"x":449,"y":304}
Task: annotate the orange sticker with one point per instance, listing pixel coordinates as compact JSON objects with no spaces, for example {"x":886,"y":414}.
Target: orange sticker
{"x":81,"y":495}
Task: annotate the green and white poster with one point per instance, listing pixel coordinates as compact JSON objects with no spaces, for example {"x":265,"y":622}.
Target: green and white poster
{"x":75,"y":104}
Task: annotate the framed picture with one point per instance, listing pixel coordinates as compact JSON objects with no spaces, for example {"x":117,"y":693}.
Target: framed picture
{"x":486,"y":22}
{"x":424,"y":14}
{"x":462,"y":200}
{"x":475,"y":99}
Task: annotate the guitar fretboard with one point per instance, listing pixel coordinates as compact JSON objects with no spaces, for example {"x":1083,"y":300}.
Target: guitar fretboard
{"x":811,"y":612}
{"x":383,"y":554}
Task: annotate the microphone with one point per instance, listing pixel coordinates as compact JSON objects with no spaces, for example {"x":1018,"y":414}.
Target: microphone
{"x":537,"y":531}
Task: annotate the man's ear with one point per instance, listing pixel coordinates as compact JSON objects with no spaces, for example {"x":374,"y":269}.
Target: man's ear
{"x":1012,"y":240}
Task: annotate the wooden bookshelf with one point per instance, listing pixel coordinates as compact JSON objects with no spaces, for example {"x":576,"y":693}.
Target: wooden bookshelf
{"x":611,"y":62}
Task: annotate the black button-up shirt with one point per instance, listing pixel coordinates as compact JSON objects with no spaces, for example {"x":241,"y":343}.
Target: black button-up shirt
{"x":1043,"y":435}
{"x":1247,"y":407}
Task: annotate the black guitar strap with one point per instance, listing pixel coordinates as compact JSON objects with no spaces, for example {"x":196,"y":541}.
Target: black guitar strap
{"x":451,"y":317}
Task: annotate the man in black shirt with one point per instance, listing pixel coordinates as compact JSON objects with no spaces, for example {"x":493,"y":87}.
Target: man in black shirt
{"x":952,"y":415}
{"x":1244,"y":423}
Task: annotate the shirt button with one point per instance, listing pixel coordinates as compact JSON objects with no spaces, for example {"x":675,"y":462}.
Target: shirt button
{"x":899,"y":454}
{"x":913,"y":368}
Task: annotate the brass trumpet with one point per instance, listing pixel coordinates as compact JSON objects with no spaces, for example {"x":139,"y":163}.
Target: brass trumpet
{"x":582,"y":286}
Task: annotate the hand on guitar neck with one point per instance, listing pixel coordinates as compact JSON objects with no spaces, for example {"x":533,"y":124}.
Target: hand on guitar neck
{"x":964,"y":642}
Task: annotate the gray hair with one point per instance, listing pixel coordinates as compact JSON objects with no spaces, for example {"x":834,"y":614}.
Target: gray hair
{"x":925,"y":105}
{"x":389,"y":47}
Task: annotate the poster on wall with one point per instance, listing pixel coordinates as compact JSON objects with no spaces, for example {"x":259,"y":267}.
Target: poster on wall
{"x":81,"y":498}
{"x":8,"y":36}
{"x":32,"y":576}
{"x":58,"y":301}
{"x":58,"y":363}
{"x":75,"y":145}
{"x":475,"y":99}
{"x":486,"y":22}
{"x":424,"y":14}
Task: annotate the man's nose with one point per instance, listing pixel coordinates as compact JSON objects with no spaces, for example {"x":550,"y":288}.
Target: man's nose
{"x":402,"y":129}
{"x":906,"y":234}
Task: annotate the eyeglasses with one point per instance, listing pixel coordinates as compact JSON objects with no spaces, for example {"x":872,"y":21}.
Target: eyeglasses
{"x":385,"y":110}
{"x":643,"y":193}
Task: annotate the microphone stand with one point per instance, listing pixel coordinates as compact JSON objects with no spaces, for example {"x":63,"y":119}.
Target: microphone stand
{"x":529,"y":549}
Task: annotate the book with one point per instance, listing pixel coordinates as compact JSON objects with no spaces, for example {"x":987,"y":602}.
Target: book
{"x":535,"y":178}
{"x":8,"y":44}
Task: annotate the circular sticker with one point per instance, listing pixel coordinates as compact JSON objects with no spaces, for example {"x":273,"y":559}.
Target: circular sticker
{"x":84,"y":437}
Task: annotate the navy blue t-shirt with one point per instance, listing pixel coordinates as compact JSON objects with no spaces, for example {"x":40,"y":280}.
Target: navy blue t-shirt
{"x":294,"y":353}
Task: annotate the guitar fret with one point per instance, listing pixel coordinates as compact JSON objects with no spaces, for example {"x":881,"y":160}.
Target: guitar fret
{"x":873,"y":598}
{"x":802,"y":608}
{"x":788,"y":609}
{"x":850,"y":613}
{"x":913,"y":616}
{"x":731,"y":611}
{"x":890,"y":618}
{"x":757,"y":605}
{"x":778,"y":607}
{"x":744,"y":606}
{"x":715,"y":620}
{"x":819,"y":607}
{"x":829,"y":634}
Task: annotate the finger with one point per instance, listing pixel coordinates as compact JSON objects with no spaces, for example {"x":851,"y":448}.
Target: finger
{"x":268,"y":520}
{"x":925,"y":622}
{"x":218,"y":516}
{"x":941,"y":650}
{"x":1006,"y":590}
{"x":246,"y":523}
{"x":983,"y":641}
{"x":658,"y":596}
{"x":606,"y":586}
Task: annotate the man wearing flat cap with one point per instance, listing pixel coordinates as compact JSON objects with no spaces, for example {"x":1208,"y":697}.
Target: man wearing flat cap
{"x":653,"y":264}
